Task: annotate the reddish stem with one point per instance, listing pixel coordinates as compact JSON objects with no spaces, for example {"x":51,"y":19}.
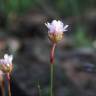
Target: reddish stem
{"x":9,"y":87}
{"x":52,"y":53}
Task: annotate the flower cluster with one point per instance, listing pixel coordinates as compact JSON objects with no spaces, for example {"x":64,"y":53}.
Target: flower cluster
{"x":56,"y":30}
{"x":6,"y":65}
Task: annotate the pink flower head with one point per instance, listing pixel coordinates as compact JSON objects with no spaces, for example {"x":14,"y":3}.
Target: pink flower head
{"x":56,"y":30}
{"x":56,"y":26}
{"x":6,"y":63}
{"x":8,"y":58}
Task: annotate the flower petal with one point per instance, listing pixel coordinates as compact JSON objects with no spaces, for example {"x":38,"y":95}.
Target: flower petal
{"x":65,"y":27}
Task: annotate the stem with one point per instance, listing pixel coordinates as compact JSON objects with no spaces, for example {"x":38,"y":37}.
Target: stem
{"x":2,"y":88}
{"x":52,"y":65}
{"x":9,"y":87}
{"x":39,"y":89}
{"x":52,"y":54}
{"x":51,"y":89}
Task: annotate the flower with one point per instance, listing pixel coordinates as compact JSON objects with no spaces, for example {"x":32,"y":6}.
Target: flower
{"x":56,"y":29}
{"x":6,"y":63}
{"x":8,"y":59}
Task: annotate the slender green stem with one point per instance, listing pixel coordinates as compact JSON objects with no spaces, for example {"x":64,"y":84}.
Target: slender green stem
{"x":39,"y":88}
{"x":51,"y":89}
{"x":52,"y":65}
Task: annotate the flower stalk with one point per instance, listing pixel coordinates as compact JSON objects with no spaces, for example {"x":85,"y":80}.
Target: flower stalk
{"x":56,"y":31}
{"x":9,"y":87}
{"x":52,"y":68}
{"x":39,"y":88}
{"x":52,"y":53}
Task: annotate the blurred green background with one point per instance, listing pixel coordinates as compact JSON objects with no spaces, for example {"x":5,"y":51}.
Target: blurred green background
{"x":76,"y":12}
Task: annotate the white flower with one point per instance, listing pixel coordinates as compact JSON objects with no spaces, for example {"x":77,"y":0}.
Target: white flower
{"x":56,"y":29}
{"x":6,"y":63}
{"x":8,"y":58}
{"x":56,"y":26}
